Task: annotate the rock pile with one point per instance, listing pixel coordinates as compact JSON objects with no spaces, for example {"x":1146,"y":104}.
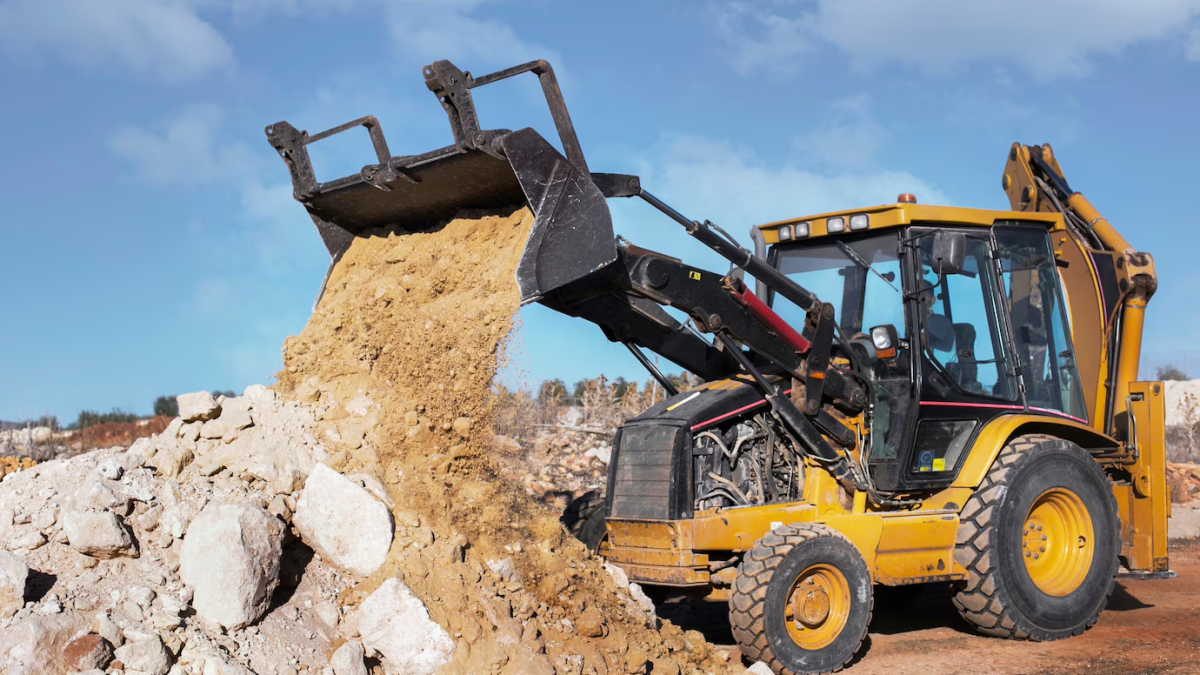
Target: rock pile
{"x":356,"y":524}
{"x":176,"y":555}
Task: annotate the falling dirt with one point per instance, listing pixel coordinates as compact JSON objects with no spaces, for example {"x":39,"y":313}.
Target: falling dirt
{"x":410,"y":328}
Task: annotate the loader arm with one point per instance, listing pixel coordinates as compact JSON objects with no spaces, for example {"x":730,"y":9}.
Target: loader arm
{"x":574,"y":263}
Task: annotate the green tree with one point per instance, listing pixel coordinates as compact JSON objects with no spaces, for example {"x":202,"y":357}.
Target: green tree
{"x":166,"y":406}
{"x":1169,"y":372}
{"x":228,"y":393}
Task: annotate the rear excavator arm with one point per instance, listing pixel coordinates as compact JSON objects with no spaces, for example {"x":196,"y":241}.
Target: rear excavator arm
{"x":1034,"y":181}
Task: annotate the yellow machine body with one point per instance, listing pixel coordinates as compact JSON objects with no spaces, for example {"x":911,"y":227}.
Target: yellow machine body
{"x":916,"y":545}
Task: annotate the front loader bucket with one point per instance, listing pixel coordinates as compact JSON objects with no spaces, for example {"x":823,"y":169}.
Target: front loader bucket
{"x":572,"y":235}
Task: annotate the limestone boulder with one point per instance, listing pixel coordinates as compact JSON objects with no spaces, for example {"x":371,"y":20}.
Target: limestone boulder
{"x":348,"y":659}
{"x":394,"y":624}
{"x":13,"y":574}
{"x":148,"y":656}
{"x":99,"y":534}
{"x":198,"y":405}
{"x":344,"y":522}
{"x":230,"y":559}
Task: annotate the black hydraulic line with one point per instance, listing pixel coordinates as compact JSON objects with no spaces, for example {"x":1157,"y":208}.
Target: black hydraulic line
{"x":654,"y":371}
{"x":739,"y":256}
{"x":795,"y":421}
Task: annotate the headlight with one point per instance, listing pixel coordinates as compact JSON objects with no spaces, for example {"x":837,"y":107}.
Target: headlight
{"x":801,"y":229}
{"x":785,"y":233}
{"x":835,"y":225}
{"x":880,"y":337}
{"x":859,"y":221}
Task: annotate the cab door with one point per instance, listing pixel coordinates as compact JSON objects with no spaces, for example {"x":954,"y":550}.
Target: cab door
{"x":967,"y":374}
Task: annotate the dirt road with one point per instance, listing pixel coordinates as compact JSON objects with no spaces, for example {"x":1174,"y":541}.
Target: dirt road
{"x":1150,"y":628}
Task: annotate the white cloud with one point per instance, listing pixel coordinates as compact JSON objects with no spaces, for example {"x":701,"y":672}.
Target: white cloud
{"x":1049,"y":39}
{"x":1193,"y":45}
{"x":446,"y":29}
{"x":186,"y":150}
{"x":174,"y":40}
{"x":850,"y":140}
{"x":158,"y":38}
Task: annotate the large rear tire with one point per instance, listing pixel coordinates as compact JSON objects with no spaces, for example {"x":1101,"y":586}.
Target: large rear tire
{"x":1040,"y":543}
{"x":802,"y":600}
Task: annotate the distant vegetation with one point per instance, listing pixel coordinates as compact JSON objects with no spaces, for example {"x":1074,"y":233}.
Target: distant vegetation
{"x":166,"y":406}
{"x":90,"y":418}
{"x":1169,"y":372}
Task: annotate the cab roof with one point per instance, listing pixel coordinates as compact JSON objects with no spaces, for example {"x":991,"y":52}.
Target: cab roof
{"x":896,"y":215}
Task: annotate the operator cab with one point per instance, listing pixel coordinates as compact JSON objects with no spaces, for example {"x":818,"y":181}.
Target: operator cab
{"x":955,"y":316}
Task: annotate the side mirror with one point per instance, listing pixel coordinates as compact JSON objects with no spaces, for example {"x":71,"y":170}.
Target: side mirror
{"x":885,"y":339}
{"x":949,"y":252}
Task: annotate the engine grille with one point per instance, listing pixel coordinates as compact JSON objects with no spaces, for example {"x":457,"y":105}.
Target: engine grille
{"x":641,"y":484}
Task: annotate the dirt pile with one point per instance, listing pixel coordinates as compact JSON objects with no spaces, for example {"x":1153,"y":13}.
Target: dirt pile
{"x":1184,"y":482}
{"x":398,"y":359}
{"x":114,"y":434}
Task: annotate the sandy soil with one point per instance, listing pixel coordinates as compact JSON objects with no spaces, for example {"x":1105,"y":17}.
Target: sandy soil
{"x":1149,"y":628}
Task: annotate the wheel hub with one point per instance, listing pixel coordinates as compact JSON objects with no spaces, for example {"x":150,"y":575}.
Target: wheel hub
{"x":814,"y":605}
{"x":817,"y":607}
{"x":1056,"y":542}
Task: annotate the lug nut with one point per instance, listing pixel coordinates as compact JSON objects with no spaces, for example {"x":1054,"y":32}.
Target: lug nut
{"x":1039,"y":528}
{"x":1035,"y":556}
{"x":1027,"y":554}
{"x":1041,"y":549}
{"x":1043,"y":537}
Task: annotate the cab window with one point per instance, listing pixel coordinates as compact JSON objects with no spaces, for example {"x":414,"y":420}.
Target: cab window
{"x":960,"y":322}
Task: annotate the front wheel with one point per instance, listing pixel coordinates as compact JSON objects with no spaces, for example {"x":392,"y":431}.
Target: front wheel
{"x":1039,"y":540}
{"x":802,"y":600}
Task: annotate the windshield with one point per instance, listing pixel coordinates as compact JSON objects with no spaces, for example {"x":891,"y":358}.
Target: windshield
{"x":837,"y":272}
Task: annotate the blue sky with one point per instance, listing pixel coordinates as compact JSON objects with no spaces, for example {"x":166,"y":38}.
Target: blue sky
{"x":150,"y":244}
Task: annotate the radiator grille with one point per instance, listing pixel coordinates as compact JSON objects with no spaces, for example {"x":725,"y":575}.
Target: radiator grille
{"x":642,"y":484}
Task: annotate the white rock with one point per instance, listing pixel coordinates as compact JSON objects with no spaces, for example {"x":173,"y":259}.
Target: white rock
{"x":199,"y":405}
{"x":759,"y":668}
{"x":100,"y":535}
{"x":27,"y":541}
{"x":141,"y":595}
{"x":504,"y":569}
{"x":360,"y":406}
{"x":348,"y":659}
{"x":618,"y":575}
{"x":176,"y":519}
{"x":343,"y":522}
{"x":108,"y":629}
{"x":148,"y":656}
{"x":395,"y":624}
{"x":230,"y":558}
{"x":111,"y":469}
{"x":98,"y":495}
{"x":642,"y":599}
{"x":602,"y":453}
{"x":14,"y":572}
{"x":260,"y":396}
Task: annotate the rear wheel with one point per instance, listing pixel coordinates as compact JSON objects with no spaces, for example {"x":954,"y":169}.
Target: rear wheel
{"x":802,"y":600}
{"x":1040,"y":542}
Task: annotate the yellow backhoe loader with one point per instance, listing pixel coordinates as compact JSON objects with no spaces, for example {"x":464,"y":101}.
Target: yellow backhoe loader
{"x":911,"y":394}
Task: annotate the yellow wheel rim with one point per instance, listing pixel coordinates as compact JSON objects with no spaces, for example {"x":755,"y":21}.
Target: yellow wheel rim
{"x":1057,"y":542}
{"x":817,"y":607}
